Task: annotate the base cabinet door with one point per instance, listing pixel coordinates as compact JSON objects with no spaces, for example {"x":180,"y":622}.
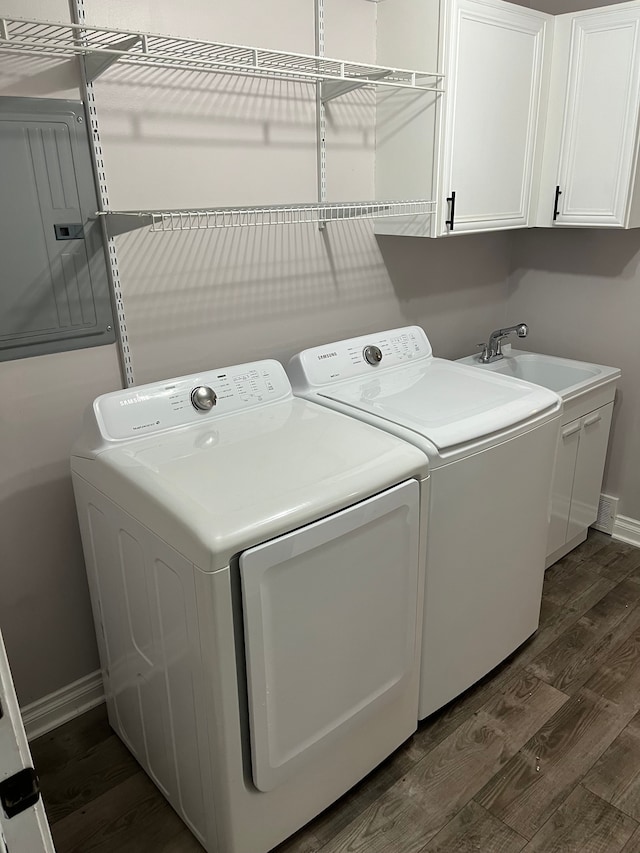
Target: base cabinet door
{"x":582,"y":450}
{"x":594,"y":436}
{"x":494,"y":72}
{"x":597,"y":156}
{"x":566,"y":456}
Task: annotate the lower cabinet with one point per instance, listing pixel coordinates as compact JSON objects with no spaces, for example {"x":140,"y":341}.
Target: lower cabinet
{"x":582,"y":448}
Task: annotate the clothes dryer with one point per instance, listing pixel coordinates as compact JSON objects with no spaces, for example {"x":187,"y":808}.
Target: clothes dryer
{"x":491,"y":448}
{"x":255,"y":568}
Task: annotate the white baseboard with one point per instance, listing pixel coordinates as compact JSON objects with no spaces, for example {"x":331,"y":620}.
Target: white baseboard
{"x":51,"y":711}
{"x":627,"y":530}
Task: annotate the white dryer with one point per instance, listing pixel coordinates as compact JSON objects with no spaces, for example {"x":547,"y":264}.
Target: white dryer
{"x":491,"y":448}
{"x":255,"y":568}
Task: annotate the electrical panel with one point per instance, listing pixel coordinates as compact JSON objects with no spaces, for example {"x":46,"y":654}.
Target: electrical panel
{"x":54,"y":291}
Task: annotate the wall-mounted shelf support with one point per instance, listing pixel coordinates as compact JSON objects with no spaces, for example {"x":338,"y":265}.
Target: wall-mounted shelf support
{"x":88,"y":96}
{"x":100,"y":48}
{"x":96,"y":64}
{"x":122,"y":221}
{"x":161,"y":51}
{"x":331,"y":89}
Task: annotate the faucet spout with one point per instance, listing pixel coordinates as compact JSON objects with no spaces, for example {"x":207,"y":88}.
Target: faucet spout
{"x":492,"y":351}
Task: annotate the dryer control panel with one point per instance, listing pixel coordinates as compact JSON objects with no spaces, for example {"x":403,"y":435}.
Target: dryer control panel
{"x":146,"y":409}
{"x":361,"y":356}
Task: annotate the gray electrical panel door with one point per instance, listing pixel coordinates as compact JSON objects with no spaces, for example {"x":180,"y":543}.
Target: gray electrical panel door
{"x":54,"y":292}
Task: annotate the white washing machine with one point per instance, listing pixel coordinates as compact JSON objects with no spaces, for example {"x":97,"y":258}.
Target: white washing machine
{"x":491,"y":448}
{"x":255,"y":567}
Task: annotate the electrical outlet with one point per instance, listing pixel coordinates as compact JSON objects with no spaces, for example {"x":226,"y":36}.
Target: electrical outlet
{"x":607,"y":512}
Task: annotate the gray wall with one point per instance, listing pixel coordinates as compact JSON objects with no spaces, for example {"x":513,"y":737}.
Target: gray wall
{"x":559,"y":7}
{"x":227,"y":296}
{"x":213,"y":298}
{"x":219,"y":297}
{"x":44,"y":606}
{"x":580,"y":292}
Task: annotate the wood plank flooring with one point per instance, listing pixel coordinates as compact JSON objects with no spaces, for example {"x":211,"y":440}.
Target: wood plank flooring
{"x":541,"y":756}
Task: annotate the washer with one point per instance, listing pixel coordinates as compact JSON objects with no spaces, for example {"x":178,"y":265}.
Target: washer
{"x":491,"y":448}
{"x":255,"y":568}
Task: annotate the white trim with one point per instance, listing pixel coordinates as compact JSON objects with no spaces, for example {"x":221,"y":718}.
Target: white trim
{"x":627,"y":530}
{"x":51,"y":711}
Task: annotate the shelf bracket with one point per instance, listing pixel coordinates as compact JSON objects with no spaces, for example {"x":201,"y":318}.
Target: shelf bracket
{"x":96,"y":64}
{"x":331,"y":89}
{"x":118,"y":223}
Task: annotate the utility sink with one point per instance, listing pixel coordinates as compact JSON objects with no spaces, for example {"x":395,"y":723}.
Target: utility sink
{"x":566,"y":377}
{"x":587,"y":392}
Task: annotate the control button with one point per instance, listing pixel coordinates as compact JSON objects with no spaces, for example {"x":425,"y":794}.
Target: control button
{"x":203,"y":398}
{"x":372,"y":354}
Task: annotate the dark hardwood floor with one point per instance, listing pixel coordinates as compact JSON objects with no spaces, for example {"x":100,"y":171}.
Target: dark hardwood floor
{"x":542,"y":756}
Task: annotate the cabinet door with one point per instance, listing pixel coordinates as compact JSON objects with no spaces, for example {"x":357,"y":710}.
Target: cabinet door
{"x":494,"y":64}
{"x":598,"y":141}
{"x":566,"y":457}
{"x":594,"y":436}
{"x":23,"y":823}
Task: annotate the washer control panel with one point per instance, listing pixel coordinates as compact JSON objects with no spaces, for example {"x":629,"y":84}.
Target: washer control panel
{"x":147,"y":409}
{"x":358,"y":356}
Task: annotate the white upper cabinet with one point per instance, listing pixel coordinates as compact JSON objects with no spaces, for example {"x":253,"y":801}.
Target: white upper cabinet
{"x":495,"y":92}
{"x":591,"y":146}
{"x":477,"y":147}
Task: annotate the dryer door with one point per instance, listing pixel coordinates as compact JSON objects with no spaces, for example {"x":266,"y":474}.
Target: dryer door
{"x":330,"y":629}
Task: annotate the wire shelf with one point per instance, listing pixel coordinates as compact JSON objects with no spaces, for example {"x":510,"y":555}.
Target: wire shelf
{"x":235,"y":217}
{"x":161,"y":51}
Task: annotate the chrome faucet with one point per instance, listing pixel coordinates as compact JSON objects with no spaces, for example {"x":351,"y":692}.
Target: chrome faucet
{"x":492,"y":351}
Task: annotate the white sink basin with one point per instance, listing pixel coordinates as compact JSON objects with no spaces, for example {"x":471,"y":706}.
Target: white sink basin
{"x":566,"y":377}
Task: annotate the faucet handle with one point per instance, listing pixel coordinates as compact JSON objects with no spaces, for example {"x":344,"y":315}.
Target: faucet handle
{"x":484,"y":354}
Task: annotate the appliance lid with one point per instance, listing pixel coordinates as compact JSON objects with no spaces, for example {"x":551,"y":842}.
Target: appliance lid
{"x":218,"y":487}
{"x":443,"y":401}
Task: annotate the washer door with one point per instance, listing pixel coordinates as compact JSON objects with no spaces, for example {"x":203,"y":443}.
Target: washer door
{"x":330,"y":629}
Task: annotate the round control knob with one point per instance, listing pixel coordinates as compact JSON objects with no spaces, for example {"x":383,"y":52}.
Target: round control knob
{"x":372,"y":355}
{"x":203,"y":398}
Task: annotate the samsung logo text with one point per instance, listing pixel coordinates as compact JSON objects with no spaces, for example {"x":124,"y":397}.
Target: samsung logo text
{"x":140,"y":398}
